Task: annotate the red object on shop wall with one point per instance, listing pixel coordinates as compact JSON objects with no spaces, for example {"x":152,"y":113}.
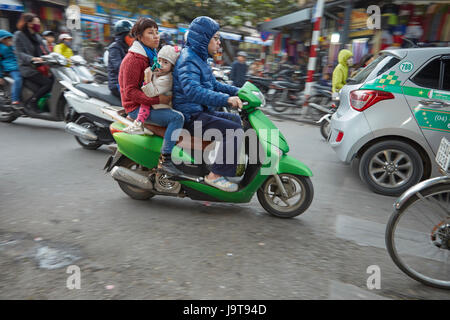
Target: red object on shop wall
{"x":445,"y":16}
{"x":277,"y":44}
{"x":52,"y":14}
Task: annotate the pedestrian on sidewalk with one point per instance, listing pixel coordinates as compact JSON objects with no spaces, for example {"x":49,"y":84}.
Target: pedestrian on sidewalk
{"x":239,"y":70}
{"x":340,"y":73}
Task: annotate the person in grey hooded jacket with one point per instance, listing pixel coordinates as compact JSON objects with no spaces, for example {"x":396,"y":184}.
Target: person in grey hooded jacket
{"x":29,"y":49}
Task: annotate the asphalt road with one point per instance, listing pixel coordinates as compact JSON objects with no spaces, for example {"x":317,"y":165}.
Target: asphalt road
{"x":58,"y":208}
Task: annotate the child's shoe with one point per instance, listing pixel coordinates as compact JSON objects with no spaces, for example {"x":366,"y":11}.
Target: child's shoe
{"x":136,"y":128}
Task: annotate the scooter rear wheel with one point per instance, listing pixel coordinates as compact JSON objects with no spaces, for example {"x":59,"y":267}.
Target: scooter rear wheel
{"x":300,"y":195}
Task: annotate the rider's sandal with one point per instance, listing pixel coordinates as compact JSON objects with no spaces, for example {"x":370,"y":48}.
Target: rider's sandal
{"x":222,"y":184}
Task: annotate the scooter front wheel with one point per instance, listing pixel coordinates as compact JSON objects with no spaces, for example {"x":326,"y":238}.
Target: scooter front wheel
{"x":300,"y":193}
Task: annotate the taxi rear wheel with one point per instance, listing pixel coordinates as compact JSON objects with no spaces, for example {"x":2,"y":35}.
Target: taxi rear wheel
{"x":391,"y":167}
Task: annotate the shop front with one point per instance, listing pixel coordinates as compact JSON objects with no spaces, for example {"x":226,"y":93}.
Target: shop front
{"x":10,"y":11}
{"x":51,"y":13}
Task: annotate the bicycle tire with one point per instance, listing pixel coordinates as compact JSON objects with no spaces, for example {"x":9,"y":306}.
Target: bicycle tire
{"x":390,"y":236}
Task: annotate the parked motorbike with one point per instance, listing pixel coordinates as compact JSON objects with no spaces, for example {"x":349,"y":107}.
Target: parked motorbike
{"x":53,"y":107}
{"x":79,"y":65}
{"x":285,"y":95}
{"x":282,"y":183}
{"x":263,"y":84}
{"x":100,"y":72}
{"x":325,"y":122}
{"x":85,"y":120}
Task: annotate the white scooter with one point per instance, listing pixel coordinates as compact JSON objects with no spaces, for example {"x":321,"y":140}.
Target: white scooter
{"x":54,"y":108}
{"x":79,"y":66}
{"x":85,"y":120}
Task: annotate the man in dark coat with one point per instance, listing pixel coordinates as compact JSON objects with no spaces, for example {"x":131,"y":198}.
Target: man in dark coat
{"x":198,"y":95}
{"x":239,"y":70}
{"x":116,"y":52}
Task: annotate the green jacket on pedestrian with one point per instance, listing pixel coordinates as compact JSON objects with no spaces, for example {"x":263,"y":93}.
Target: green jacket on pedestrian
{"x":340,"y":73}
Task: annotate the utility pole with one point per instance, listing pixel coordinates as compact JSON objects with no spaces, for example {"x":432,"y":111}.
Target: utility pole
{"x":347,"y":21}
{"x":313,"y":54}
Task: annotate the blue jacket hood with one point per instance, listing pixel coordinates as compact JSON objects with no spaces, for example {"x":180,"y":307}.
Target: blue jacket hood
{"x":5,"y":34}
{"x":201,"y":30}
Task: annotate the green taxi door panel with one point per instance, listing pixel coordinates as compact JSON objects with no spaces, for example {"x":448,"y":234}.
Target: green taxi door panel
{"x":428,"y":96}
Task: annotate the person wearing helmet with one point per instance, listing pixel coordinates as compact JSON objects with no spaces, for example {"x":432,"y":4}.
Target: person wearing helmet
{"x":49,"y":40}
{"x":65,"y":45}
{"x":8,"y":64}
{"x":165,"y":38}
{"x":116,"y":52}
{"x":239,"y":70}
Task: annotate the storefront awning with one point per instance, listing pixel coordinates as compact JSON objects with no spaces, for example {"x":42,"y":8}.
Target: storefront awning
{"x":168,"y":30}
{"x":258,"y":41}
{"x":97,"y":19}
{"x":290,"y":19}
{"x":230,"y":36}
{"x":11,"y":5}
{"x":63,"y":3}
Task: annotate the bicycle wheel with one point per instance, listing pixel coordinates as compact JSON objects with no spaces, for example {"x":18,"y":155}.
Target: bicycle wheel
{"x":418,"y":237}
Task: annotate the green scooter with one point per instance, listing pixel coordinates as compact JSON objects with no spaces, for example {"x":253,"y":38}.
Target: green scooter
{"x":282,"y":183}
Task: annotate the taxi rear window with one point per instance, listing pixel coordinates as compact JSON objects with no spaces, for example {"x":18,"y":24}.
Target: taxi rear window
{"x":379,"y":66}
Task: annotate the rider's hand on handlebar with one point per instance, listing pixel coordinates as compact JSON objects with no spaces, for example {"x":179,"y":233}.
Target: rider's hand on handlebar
{"x":235,"y":102}
{"x":37,"y":60}
{"x":165,"y":99}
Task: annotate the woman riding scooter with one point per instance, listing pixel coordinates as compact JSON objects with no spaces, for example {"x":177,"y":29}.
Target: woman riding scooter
{"x":29,"y":48}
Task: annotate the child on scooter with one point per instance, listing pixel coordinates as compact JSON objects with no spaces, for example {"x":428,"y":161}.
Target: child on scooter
{"x":156,"y":82}
{"x":8,"y":64}
{"x":159,"y":82}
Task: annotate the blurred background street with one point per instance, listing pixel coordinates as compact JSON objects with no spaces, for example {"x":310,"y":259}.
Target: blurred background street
{"x":58,"y":208}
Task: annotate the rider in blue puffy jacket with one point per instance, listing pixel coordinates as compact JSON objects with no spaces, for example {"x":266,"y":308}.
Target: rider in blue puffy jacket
{"x":198,"y":95}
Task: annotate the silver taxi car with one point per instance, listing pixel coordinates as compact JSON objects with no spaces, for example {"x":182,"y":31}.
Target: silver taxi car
{"x":392,"y":117}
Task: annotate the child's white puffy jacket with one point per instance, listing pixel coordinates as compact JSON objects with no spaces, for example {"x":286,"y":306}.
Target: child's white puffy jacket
{"x":159,"y":85}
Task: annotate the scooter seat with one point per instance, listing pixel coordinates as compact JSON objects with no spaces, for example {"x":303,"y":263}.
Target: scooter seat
{"x":195,"y":142}
{"x":100,"y":92}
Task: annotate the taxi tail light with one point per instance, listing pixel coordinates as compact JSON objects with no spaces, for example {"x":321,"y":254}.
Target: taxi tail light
{"x":360,"y":100}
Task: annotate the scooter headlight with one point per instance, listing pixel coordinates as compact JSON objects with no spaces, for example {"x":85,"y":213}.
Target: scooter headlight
{"x":260,"y":97}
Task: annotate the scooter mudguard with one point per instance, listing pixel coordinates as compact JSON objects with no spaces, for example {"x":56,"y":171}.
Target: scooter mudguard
{"x":291,"y":165}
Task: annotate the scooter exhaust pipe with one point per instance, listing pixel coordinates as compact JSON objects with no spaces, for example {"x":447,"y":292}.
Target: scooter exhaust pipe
{"x":132,"y":178}
{"x":80,"y":131}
